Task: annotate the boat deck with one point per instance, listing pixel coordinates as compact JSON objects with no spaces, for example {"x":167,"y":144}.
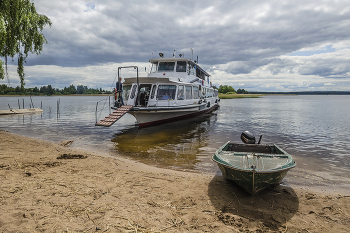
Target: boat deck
{"x":262,"y":162}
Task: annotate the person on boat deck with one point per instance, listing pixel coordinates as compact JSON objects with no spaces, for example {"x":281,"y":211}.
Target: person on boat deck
{"x":119,"y":87}
{"x":166,"y":96}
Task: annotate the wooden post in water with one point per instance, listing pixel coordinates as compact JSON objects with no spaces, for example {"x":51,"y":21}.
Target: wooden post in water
{"x":31,"y":101}
{"x":19,"y":106}
{"x":58,"y":107}
{"x":23,"y":103}
{"x":109,"y":99}
{"x":41,"y":105}
{"x":96,"y":112}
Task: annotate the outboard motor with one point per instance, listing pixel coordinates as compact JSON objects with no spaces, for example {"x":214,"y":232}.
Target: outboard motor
{"x":249,"y":138}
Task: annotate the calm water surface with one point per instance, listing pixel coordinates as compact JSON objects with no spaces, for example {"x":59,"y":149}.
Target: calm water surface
{"x":315,"y":130}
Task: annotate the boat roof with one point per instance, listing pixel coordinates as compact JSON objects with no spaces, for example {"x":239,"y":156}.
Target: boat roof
{"x":174,"y":59}
{"x":170,"y":59}
{"x":145,"y":80}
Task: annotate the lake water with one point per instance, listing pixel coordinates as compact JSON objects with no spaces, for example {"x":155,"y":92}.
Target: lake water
{"x":315,"y":130}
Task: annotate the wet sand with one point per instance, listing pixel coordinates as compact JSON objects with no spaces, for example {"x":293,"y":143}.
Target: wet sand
{"x":48,"y":187}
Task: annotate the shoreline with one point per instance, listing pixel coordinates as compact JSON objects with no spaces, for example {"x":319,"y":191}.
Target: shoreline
{"x":239,"y":96}
{"x":52,"y":187}
{"x":18,"y":95}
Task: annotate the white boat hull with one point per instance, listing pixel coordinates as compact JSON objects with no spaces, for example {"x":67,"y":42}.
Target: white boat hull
{"x":153,"y":116}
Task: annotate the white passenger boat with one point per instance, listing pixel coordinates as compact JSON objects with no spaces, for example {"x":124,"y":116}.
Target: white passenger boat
{"x":174,"y":89}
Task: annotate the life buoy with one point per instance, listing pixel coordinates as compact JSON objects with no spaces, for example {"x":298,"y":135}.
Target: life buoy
{"x":115,"y":94}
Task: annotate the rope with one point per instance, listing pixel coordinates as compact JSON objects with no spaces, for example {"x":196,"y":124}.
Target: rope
{"x":104,"y":105}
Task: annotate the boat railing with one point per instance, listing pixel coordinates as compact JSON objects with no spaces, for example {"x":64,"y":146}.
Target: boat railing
{"x":99,"y":111}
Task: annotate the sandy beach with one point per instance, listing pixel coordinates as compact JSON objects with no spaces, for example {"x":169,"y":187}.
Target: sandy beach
{"x":48,"y":187}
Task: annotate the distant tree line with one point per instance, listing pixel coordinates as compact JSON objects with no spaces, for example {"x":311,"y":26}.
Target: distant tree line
{"x":302,"y":93}
{"x":49,"y":90}
{"x":230,"y":90}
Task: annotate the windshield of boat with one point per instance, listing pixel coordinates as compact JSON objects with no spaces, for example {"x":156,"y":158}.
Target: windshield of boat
{"x":195,"y":92}
{"x":191,"y":69}
{"x":181,"y":66}
{"x":166,"y":66}
{"x":166,"y":92}
{"x":188,"y":92}
{"x":180,"y":93}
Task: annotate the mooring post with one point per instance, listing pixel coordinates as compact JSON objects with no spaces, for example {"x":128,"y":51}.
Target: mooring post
{"x":58,"y":107}
{"x":19,"y":106}
{"x":96,"y":112}
{"x":31,"y":101}
{"x":23,"y":103}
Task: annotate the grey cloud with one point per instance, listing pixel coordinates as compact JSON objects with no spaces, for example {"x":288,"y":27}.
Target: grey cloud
{"x":237,"y":37}
{"x":131,"y":30}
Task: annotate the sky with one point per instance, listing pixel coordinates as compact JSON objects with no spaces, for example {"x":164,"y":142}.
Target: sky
{"x":271,"y":45}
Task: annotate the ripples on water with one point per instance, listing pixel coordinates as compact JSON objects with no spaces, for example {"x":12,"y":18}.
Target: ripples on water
{"x":308,"y":127}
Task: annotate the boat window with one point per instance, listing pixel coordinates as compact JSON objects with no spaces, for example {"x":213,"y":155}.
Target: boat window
{"x":188,"y":92}
{"x":191,"y":69}
{"x":154,"y":67}
{"x":145,"y":88}
{"x":180,"y":93}
{"x":181,"y":66}
{"x":166,"y":92}
{"x":211,"y":93}
{"x":195,"y":93}
{"x":126,"y":91}
{"x":153,"y":91}
{"x":166,"y":66}
{"x":133,"y":91}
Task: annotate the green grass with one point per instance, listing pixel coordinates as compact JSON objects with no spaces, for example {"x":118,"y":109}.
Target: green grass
{"x":238,"y":96}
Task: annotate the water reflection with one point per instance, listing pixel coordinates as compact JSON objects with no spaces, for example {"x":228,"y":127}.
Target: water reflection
{"x":177,"y":145}
{"x":314,"y":129}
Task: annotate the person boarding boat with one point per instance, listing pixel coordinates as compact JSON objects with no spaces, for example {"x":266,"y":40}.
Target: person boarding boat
{"x":119,"y":90}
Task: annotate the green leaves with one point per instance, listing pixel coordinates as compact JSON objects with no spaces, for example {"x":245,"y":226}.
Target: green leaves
{"x":20,"y":32}
{"x":225,"y":89}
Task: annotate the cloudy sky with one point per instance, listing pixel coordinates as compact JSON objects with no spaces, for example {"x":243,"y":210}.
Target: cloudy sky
{"x":270,"y":45}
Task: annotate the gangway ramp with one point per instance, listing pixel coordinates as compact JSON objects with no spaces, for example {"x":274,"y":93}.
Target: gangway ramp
{"x":114,"y":116}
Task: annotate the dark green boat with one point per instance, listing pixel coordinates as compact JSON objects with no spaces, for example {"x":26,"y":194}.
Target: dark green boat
{"x":254,"y":167}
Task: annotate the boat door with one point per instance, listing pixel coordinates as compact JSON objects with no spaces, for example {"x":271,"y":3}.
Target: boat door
{"x":152,"y":101}
{"x":133,"y":95}
{"x":144,"y":90}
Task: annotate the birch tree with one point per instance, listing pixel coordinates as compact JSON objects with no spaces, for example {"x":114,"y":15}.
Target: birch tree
{"x":21,"y":33}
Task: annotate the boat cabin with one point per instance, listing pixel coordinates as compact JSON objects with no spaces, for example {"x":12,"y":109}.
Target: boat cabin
{"x":170,"y":82}
{"x":179,"y":67}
